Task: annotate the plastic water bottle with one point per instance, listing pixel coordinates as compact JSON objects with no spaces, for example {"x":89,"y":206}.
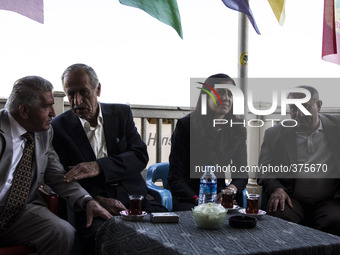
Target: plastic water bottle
{"x":208,"y":187}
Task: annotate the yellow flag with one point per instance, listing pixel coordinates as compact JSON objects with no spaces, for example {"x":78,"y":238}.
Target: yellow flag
{"x":278,"y":7}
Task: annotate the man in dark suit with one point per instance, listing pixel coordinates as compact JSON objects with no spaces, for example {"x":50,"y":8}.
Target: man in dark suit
{"x":310,"y":193}
{"x":99,"y":146}
{"x":28,"y":160}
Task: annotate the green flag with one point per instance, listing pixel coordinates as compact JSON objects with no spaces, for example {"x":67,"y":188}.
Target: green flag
{"x":165,"y":11}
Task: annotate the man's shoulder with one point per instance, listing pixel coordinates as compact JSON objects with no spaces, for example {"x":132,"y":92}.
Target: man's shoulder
{"x":65,"y":116}
{"x":3,"y":113}
{"x":184,"y":122}
{"x":335,"y":118}
{"x":185,"y":119}
{"x":115,"y":107}
{"x":117,"y":110}
{"x":277,"y":130}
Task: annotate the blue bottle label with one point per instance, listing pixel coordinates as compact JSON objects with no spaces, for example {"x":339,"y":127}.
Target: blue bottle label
{"x":209,"y":188}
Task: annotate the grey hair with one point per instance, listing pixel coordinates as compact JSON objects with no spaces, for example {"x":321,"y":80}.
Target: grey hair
{"x":27,"y":90}
{"x":88,"y":69}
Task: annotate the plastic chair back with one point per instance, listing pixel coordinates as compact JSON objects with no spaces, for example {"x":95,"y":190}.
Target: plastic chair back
{"x":159,"y":171}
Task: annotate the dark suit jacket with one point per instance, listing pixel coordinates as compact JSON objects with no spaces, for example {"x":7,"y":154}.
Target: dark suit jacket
{"x":279,"y":148}
{"x":127,"y":153}
{"x":181,"y":185}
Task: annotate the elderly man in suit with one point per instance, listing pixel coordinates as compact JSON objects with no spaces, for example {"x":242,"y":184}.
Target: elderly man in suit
{"x":99,"y":146}
{"x":27,"y":160}
{"x":306,"y":196}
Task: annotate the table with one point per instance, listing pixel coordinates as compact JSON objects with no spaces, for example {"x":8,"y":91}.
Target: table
{"x":270,"y":236}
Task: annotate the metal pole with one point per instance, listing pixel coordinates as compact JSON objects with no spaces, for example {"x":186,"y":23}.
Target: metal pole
{"x":159,"y":141}
{"x":243,"y":25}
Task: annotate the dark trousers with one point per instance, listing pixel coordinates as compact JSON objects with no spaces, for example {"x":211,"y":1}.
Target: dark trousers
{"x":324,"y":216}
{"x":87,"y":235}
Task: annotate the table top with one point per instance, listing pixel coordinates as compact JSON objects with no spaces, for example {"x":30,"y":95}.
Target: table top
{"x":270,"y":236}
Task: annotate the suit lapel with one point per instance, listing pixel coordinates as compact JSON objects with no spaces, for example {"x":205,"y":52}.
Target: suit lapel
{"x":333,"y":138}
{"x":76,"y":131}
{"x":39,"y":162}
{"x":6,"y":143}
{"x":110,"y":128}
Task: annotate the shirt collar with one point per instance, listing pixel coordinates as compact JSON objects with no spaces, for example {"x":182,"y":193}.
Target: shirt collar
{"x":320,"y":125}
{"x":100,"y":121}
{"x":320,"y":128}
{"x":16,"y":129}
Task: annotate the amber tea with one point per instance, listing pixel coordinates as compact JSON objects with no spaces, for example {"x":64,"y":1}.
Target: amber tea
{"x":252,"y":204}
{"x":135,"y":204}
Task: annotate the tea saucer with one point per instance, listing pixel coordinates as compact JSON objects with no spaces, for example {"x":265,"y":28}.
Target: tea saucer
{"x":261,"y":213}
{"x":126,"y":216}
{"x":236,"y":207}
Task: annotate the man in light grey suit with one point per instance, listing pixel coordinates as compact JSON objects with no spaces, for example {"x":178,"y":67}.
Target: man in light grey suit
{"x":29,"y":109}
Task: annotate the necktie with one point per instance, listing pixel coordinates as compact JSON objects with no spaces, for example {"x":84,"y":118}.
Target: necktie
{"x":20,"y":188}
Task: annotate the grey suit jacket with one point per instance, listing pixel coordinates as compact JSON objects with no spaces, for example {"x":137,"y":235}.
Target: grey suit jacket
{"x":46,"y":166}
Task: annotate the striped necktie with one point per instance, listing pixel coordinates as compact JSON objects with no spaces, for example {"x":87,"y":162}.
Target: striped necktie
{"x":20,"y":187}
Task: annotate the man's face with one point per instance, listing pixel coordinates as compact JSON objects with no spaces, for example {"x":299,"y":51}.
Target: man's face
{"x":226,"y":98}
{"x":40,"y":117}
{"x":305,"y":123}
{"x":81,"y":94}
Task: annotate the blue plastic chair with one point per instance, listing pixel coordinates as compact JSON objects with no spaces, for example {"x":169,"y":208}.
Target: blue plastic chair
{"x":163,"y":195}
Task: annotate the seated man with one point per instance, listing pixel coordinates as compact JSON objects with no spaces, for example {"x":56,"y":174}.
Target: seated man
{"x":99,"y":145}
{"x":27,"y":159}
{"x":300,"y":197}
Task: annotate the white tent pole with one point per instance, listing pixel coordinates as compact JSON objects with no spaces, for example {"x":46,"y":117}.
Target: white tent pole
{"x":243,"y":25}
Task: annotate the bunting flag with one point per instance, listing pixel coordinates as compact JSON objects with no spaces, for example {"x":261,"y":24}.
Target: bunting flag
{"x":278,"y":7}
{"x":165,"y":11}
{"x":331,"y":31}
{"x":33,"y":9}
{"x":242,"y":6}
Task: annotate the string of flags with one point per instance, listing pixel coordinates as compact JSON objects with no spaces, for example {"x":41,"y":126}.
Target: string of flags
{"x":167,"y":12}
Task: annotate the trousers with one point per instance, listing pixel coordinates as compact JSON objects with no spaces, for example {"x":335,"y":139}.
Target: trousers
{"x":323,"y":216}
{"x":42,"y":229}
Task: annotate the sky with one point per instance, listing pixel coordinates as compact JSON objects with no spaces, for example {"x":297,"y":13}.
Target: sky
{"x":142,"y":61}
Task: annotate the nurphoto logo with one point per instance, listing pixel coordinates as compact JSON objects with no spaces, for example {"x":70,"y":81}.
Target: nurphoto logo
{"x":238,"y":104}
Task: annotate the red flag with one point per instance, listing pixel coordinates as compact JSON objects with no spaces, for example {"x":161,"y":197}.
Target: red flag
{"x":331,"y":30}
{"x":33,"y":9}
{"x":242,"y":6}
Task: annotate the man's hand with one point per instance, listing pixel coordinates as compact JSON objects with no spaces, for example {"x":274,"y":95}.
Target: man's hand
{"x":114,"y":206}
{"x":82,"y":171}
{"x":279,"y":196}
{"x":93,"y":210}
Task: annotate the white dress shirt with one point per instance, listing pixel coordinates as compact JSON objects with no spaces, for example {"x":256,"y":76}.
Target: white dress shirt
{"x":96,"y":135}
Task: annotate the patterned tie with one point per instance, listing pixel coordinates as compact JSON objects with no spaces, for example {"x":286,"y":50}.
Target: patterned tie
{"x":20,"y":188}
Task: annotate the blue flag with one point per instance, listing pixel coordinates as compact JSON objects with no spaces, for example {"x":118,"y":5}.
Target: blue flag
{"x":242,"y":6}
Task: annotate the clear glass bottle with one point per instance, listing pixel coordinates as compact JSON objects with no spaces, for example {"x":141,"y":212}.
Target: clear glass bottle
{"x":208,"y":187}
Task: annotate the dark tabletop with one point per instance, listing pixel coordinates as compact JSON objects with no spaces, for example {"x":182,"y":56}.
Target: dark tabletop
{"x":270,"y":236}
